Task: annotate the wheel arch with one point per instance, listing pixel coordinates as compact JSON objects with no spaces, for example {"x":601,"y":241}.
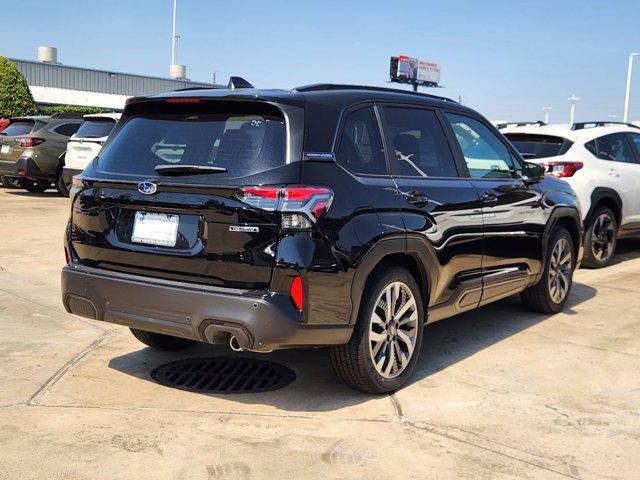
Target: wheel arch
{"x":569,"y":218}
{"x":401,"y":251}
{"x":604,"y":196}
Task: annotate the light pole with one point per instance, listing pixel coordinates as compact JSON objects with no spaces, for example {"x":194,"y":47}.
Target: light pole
{"x":626,"y":96}
{"x":173,"y":36}
{"x":573,"y":100}
{"x":546,"y":113}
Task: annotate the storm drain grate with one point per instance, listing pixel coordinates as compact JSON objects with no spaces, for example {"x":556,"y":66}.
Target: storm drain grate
{"x":223,"y":375}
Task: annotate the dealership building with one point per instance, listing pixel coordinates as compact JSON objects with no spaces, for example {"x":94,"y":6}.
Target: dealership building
{"x":52,"y":83}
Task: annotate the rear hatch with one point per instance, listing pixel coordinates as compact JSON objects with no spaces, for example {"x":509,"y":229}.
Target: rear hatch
{"x":10,"y":148}
{"x":181,"y":225}
{"x":533,"y":146}
{"x":87,"y":141}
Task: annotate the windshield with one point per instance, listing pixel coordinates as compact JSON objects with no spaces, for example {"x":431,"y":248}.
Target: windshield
{"x":95,"y":128}
{"x":241,"y":144}
{"x":539,"y":146}
{"x":18,"y":128}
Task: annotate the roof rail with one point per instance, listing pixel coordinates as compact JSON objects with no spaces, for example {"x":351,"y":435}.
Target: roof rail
{"x":502,"y":125}
{"x":318,"y":87}
{"x":68,"y":115}
{"x":583,"y":125}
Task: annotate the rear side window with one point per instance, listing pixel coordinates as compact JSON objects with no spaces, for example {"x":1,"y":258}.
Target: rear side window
{"x":19,"y":128}
{"x":611,"y":147}
{"x":539,"y":146}
{"x":635,"y":138}
{"x":95,"y":128}
{"x":67,"y":129}
{"x":243,"y":144}
{"x":360,"y":149}
{"x":485,"y":154}
{"x":419,"y":146}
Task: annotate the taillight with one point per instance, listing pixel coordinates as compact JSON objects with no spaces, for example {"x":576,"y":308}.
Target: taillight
{"x":30,"y":142}
{"x":301,"y":205}
{"x":296,"y":292}
{"x":67,"y":255}
{"x":562,"y":169}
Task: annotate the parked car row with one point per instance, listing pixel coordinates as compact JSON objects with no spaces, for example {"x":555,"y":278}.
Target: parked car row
{"x":37,"y":152}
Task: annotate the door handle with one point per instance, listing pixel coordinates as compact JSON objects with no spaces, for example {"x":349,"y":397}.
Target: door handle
{"x":612,"y":172}
{"x":489,"y":196}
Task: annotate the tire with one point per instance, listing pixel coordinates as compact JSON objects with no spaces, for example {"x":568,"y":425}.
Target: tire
{"x":354,"y":362}
{"x":34,"y":186}
{"x":10,"y":182}
{"x":61,"y":186}
{"x":550,"y":294}
{"x":600,"y":239}
{"x":160,"y":341}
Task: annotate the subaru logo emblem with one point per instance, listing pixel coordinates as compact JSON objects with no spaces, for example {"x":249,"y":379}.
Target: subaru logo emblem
{"x":148,"y":188}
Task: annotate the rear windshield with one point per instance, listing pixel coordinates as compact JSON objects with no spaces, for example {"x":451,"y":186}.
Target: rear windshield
{"x":539,"y":146}
{"x":96,"y":128}
{"x":19,"y":128}
{"x":243,"y":144}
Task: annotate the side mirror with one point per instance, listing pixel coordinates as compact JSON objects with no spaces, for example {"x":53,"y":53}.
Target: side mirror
{"x":532,"y":172}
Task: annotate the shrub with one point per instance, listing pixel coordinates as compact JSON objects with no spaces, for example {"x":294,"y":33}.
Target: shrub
{"x":15,"y":98}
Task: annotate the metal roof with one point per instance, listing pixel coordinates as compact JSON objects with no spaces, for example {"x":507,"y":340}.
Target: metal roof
{"x":55,"y":75}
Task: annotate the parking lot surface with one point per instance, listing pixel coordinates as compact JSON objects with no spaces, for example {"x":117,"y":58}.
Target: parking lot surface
{"x":499,"y":392}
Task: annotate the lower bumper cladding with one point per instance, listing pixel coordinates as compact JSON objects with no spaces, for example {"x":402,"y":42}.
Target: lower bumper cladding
{"x":261,"y":321}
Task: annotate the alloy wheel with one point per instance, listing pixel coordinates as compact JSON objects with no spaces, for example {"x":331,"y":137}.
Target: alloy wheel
{"x":602,"y":237}
{"x":393,"y":330}
{"x":560,"y":266}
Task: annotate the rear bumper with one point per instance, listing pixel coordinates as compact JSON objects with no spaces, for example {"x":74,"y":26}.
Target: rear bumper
{"x":24,"y":167}
{"x":262,"y":321}
{"x":68,"y":173}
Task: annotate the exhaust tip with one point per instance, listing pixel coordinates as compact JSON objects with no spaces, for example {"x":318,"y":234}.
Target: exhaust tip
{"x":235,"y":346}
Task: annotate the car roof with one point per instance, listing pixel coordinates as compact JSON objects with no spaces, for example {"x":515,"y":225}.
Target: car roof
{"x":565,"y":131}
{"x":44,"y":118}
{"x":335,"y":94}
{"x":114,"y":116}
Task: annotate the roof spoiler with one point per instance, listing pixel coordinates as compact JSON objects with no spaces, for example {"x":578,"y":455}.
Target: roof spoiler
{"x":238,"y":82}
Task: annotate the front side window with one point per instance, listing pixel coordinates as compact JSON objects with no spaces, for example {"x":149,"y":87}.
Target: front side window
{"x":419,"y":146}
{"x":485,"y":154}
{"x":241,"y":144}
{"x":360,"y":149}
{"x":612,"y":147}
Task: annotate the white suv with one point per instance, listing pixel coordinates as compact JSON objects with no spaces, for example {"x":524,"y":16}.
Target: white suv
{"x":85,"y":144}
{"x":601,"y":161}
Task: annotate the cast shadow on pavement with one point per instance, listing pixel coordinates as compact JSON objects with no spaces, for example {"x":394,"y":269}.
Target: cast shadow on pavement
{"x":317,"y":389}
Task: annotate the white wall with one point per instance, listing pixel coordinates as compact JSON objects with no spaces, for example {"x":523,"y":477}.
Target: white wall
{"x":77,"y":97}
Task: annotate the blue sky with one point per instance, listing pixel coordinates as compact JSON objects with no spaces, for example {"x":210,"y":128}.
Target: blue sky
{"x":507,"y":59}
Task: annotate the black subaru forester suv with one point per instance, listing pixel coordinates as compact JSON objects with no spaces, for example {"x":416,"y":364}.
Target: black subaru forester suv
{"x":328,"y":215}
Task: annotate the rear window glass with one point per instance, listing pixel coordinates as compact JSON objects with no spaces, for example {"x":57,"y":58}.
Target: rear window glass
{"x":96,"y":128}
{"x":18,"y":128}
{"x":539,"y":146}
{"x":242,"y":144}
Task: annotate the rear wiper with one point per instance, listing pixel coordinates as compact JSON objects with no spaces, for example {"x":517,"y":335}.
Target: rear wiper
{"x":187,"y":169}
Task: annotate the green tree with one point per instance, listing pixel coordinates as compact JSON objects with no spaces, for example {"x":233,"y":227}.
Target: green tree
{"x":15,"y":97}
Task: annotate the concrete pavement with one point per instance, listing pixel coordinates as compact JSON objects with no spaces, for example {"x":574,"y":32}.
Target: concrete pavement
{"x":499,"y":393}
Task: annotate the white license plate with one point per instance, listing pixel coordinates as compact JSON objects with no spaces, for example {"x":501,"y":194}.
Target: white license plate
{"x":5,"y":149}
{"x":155,"y":229}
